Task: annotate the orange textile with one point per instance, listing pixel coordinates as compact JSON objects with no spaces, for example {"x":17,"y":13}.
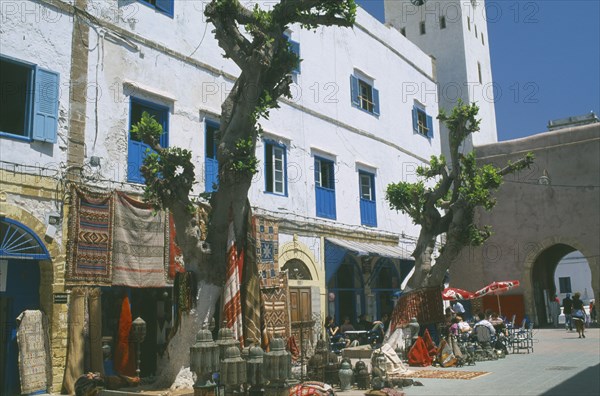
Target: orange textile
{"x":431,"y":348}
{"x":124,"y":361}
{"x":419,"y":355}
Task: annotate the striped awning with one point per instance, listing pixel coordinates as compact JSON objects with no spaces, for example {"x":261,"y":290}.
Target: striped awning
{"x":336,"y":249}
{"x":371,"y":249}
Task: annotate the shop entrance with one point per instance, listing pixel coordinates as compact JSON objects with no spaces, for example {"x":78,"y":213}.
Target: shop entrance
{"x":20,"y":250}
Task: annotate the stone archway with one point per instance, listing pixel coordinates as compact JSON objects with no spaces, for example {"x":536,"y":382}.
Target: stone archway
{"x":538,"y":273}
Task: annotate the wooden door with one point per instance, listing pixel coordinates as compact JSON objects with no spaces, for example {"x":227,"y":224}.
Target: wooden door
{"x":301,"y":315}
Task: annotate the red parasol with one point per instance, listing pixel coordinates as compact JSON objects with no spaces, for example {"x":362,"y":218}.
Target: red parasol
{"x":497,"y":288}
{"x":452,"y":293}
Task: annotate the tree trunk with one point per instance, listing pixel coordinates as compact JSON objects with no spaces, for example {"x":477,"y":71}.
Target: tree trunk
{"x":422,"y":255}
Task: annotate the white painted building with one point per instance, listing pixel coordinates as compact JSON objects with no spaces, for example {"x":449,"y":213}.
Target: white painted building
{"x":573,"y":275}
{"x":355,"y":124}
{"x":454,"y":32}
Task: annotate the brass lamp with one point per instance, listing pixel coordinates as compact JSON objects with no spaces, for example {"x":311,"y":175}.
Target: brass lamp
{"x":137,"y":335}
{"x":233,"y":370}
{"x":226,"y":339}
{"x":204,"y":361}
{"x":254,"y":372}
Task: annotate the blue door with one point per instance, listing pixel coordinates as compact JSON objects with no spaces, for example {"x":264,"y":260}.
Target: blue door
{"x":22,"y":293}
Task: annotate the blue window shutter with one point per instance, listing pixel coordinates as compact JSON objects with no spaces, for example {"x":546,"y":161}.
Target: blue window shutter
{"x":415,"y":118}
{"x":354,"y":90}
{"x":295,"y":47}
{"x":375,"y":101}
{"x":166,"y":6}
{"x":45,"y":106}
{"x":430,"y":126}
{"x":136,"y":153}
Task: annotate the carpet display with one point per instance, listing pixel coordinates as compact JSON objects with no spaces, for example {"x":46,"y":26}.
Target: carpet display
{"x":176,"y":263}
{"x":444,"y":374}
{"x":275,"y":310}
{"x":267,"y":252}
{"x":35,"y":367}
{"x":251,"y":285}
{"x":89,"y":252}
{"x":139,"y":253}
{"x":424,"y":304}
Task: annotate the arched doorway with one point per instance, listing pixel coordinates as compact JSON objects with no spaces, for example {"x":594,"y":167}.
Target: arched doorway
{"x":20,"y":252}
{"x":302,"y":321}
{"x":384,"y":282}
{"x":549,"y":279}
{"x":347,"y":286}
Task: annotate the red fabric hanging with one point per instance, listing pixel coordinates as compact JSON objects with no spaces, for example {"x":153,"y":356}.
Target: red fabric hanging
{"x":124,"y":361}
{"x":431,"y":348}
{"x":419,"y":355}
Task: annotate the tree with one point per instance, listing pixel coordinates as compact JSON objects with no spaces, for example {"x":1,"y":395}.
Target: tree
{"x":255,"y":40}
{"x":444,"y":199}
{"x":264,"y":55}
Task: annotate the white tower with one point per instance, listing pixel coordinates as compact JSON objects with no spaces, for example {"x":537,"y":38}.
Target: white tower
{"x":454,"y":32}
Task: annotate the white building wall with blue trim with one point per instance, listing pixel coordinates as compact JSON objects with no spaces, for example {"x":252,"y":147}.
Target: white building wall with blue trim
{"x":167,"y":56}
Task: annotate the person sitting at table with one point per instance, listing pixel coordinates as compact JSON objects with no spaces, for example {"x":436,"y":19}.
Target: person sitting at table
{"x":463,"y":327}
{"x":498,"y":324}
{"x":484,"y":322}
{"x":347,"y":326}
{"x":363,"y":323}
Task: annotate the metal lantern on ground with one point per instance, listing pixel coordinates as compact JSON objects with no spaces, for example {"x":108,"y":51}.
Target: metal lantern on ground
{"x":345,"y":375}
{"x":137,"y":335}
{"x":233,"y":370}
{"x":226,"y":340}
{"x":204,"y":361}
{"x":254,"y":370}
{"x":277,"y":366}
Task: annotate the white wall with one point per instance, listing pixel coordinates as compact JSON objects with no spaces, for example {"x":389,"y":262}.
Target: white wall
{"x":575,"y":266}
{"x":456,"y":50}
{"x":320,"y":117}
{"x":34,"y":34}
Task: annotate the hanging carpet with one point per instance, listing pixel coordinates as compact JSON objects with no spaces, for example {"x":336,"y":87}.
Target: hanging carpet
{"x":89,"y":250}
{"x":425,"y":304}
{"x":139,"y":252}
{"x":275,"y":310}
{"x":251,"y":285}
{"x":267,"y":252}
{"x":35,"y":368}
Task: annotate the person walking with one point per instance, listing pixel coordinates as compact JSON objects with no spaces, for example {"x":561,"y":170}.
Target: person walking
{"x":578,"y":315}
{"x":568,"y":310}
{"x":555,"y":310}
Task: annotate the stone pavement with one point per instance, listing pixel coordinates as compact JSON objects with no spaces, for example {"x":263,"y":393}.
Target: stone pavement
{"x":561,"y":364}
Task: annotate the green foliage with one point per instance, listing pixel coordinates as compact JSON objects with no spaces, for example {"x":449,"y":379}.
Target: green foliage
{"x":147,"y":129}
{"x":440,"y":192}
{"x":243,"y":159}
{"x":169,"y":176}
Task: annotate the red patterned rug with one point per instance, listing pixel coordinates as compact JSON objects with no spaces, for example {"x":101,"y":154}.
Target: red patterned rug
{"x":445,"y":374}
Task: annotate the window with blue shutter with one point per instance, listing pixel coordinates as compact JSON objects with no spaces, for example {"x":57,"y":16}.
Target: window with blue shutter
{"x":325,"y":188}
{"x":364,"y":96}
{"x":165,"y":6}
{"x":368,"y":207}
{"x":45,"y":106}
{"x":137,"y":150}
{"x":211,"y":165}
{"x":275,"y":168}
{"x":422,"y":122}
{"x":29,"y":98}
{"x":295,"y":48}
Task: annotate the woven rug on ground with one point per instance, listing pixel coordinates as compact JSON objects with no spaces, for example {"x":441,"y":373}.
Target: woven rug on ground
{"x":267,"y":251}
{"x":443,"y":374}
{"x":89,"y":251}
{"x":139,"y":253}
{"x":35,"y":367}
{"x":275,"y":310}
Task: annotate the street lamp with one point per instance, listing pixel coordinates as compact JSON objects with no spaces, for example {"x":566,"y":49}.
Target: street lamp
{"x":204,"y":360}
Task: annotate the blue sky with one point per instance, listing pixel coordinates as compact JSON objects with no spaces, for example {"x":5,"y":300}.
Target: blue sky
{"x":545,"y":59}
